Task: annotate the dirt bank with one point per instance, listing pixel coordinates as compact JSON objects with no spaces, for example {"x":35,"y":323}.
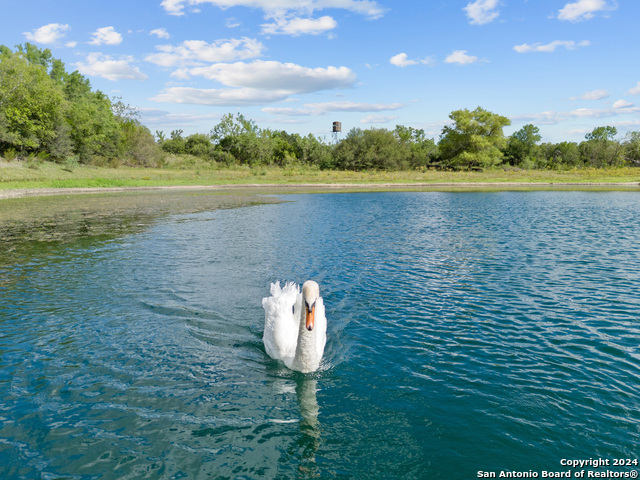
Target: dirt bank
{"x":269,"y":188}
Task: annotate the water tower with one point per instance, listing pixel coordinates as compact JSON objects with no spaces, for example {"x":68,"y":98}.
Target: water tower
{"x":336,"y":130}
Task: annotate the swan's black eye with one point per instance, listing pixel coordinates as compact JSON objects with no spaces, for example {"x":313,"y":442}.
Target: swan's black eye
{"x":293,"y":309}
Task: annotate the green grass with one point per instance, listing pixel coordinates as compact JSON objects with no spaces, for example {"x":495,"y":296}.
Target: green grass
{"x":15,"y":174}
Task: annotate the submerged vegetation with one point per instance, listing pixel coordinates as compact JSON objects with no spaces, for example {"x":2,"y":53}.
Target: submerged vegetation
{"x":49,"y":114}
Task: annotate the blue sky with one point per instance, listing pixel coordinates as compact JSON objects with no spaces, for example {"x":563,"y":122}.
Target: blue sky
{"x":566,"y":66}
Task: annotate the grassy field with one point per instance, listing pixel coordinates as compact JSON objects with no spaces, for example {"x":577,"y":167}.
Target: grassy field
{"x":18,"y":175}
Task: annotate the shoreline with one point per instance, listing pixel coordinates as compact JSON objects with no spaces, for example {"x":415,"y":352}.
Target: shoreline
{"x":37,"y":192}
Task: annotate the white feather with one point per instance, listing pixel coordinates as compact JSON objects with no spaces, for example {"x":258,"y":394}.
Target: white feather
{"x":285,"y":336}
{"x":281,"y":326}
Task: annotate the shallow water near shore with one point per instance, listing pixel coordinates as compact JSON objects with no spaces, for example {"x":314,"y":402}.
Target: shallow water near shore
{"x":468,"y":331}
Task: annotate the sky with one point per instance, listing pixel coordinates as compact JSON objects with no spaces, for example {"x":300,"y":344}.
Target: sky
{"x":566,"y":66}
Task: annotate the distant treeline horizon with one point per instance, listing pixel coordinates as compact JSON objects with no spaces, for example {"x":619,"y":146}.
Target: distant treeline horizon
{"x":47,"y":113}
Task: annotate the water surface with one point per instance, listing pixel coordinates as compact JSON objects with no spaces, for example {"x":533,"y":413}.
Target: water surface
{"x":467,"y":331}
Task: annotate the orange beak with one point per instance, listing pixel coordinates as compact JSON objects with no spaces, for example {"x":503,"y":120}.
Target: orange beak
{"x":311,"y":315}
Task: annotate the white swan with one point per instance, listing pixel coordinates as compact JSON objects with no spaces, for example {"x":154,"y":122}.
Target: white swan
{"x":295,"y":326}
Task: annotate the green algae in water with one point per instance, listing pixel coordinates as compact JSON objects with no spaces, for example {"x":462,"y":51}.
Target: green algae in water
{"x":26,"y":223}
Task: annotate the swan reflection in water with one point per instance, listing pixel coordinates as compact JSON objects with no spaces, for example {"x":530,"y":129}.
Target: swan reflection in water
{"x":295,"y":332}
{"x":308,"y":443}
{"x":306,"y":391}
{"x":305,"y":444}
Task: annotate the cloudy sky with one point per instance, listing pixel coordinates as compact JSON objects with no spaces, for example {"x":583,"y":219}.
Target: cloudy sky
{"x":566,"y":66}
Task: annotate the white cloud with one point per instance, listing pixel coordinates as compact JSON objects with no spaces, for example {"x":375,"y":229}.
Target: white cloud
{"x":622,"y":104}
{"x":299,"y":26}
{"x":327,"y":107}
{"x":635,"y":90}
{"x":256,"y":83}
{"x":152,"y":112}
{"x":291,"y":112}
{"x":193,"y":52}
{"x":276,"y":76}
{"x":47,"y":34}
{"x":595,"y":95}
{"x":461,"y":57}
{"x":160,"y":33}
{"x":550,"y":47}
{"x":482,"y":11}
{"x":553,"y":117}
{"x":402,"y":60}
{"x":579,"y":131}
{"x":181,"y":74}
{"x":232,"y":23}
{"x":589,"y":113}
{"x":627,"y":124}
{"x":368,"y":8}
{"x":347,"y":106}
{"x":99,"y":65}
{"x":583,"y":10}
{"x":592,"y":95}
{"x":106,"y":36}
{"x":219,"y":97}
{"x":372,"y":118}
{"x":163,"y":118}
{"x":71,"y":44}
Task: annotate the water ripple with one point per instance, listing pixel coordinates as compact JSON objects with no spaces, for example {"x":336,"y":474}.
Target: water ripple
{"x":466,"y":331}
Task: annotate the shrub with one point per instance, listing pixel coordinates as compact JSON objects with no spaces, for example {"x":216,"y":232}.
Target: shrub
{"x":373,"y":149}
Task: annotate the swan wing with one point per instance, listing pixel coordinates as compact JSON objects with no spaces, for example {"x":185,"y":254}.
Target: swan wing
{"x":280,"y":327}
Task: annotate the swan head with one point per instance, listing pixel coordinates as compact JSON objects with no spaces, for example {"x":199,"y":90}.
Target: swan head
{"x":310,"y":293}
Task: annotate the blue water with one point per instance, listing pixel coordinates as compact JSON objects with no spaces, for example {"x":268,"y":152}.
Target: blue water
{"x":467,"y":332}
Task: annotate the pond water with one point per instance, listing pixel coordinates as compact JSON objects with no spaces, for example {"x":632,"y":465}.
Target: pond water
{"x":468,"y":332}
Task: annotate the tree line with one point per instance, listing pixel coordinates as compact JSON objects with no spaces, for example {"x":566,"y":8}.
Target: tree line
{"x":47,"y":112}
{"x":473,"y":141}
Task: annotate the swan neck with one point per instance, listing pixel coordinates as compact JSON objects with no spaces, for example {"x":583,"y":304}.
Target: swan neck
{"x":306,"y":354}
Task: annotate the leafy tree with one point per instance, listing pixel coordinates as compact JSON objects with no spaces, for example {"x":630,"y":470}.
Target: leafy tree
{"x":521,"y":146}
{"x":422,"y":150}
{"x":138,"y":146}
{"x":199,"y":145}
{"x":230,"y":126}
{"x":286,"y":147}
{"x":313,"y":151}
{"x":8,"y":138}
{"x":600,"y":148}
{"x":176,"y":144}
{"x":558,"y":155}
{"x":475,"y":140}
{"x":95,"y":130}
{"x":34,"y":56}
{"x":45,"y":109}
{"x":243,"y":139}
{"x":258,"y":149}
{"x":373,"y":149}
{"x":226,"y":134}
{"x":32,"y":105}
{"x":60,"y":146}
{"x":603,"y":134}
{"x":631,"y":148}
